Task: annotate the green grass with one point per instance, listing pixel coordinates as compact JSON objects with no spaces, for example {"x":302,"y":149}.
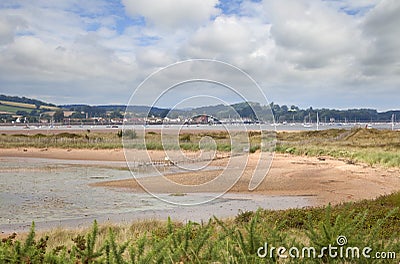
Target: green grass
{"x":371,"y":146}
{"x":25,"y":106}
{"x":62,"y":140}
{"x":374,"y":224}
{"x":89,"y":140}
{"x":13,"y":107}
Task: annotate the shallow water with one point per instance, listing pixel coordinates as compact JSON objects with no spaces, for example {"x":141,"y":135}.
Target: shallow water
{"x":57,"y":192}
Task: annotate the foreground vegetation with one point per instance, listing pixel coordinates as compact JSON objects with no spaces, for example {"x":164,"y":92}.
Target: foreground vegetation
{"x":374,"y":224}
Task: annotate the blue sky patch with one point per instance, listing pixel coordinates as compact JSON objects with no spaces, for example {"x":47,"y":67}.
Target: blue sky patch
{"x":147,"y":40}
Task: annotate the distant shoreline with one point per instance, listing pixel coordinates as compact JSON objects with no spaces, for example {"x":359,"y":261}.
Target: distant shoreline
{"x":297,"y":127}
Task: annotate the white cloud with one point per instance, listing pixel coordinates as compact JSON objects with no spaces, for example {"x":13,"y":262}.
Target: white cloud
{"x":48,"y":49}
{"x":32,"y":59}
{"x":153,"y":58}
{"x":293,"y":42}
{"x":8,"y":27}
{"x":226,"y":35}
{"x":311,"y":51}
{"x":381,"y":29}
{"x":173,"y":14}
{"x":6,"y":34}
{"x":310,"y":35}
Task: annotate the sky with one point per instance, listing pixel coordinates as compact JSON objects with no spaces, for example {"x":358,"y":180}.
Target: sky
{"x":320,"y":53}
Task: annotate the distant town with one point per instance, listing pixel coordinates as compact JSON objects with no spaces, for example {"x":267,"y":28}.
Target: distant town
{"x":16,"y":110}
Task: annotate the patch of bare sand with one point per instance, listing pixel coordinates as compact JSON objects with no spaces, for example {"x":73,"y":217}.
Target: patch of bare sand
{"x":329,"y":180}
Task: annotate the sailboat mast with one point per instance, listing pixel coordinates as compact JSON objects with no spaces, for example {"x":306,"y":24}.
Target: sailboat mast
{"x":392,"y":122}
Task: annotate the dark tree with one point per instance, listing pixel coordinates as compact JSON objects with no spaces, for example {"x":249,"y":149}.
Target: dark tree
{"x":58,"y":115}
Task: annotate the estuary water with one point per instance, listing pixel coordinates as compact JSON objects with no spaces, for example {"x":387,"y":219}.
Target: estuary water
{"x":56,"y":193}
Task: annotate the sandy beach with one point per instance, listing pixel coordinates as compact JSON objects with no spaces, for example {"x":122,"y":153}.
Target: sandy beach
{"x":325,"y":179}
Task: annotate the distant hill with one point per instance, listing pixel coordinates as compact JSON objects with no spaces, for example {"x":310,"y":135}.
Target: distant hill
{"x":99,"y":110}
{"x":281,"y":113}
{"x":14,"y":104}
{"x":24,"y":100}
{"x":218,"y":111}
{"x":31,"y":107}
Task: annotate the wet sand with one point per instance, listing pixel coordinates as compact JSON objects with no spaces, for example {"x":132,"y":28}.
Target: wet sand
{"x":59,"y":193}
{"x":328,"y":180}
{"x":65,"y":154}
{"x":224,"y":207}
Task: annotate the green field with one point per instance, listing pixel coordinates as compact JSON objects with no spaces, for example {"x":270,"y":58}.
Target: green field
{"x":13,"y":107}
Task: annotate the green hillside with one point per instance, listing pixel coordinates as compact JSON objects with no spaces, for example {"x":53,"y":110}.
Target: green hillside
{"x":12,"y":109}
{"x":14,"y":104}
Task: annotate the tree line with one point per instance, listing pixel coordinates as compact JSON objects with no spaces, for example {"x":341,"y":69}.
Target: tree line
{"x":295,"y":114}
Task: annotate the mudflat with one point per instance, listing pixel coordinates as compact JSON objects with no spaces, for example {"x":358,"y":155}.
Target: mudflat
{"x":326,"y":179}
{"x":67,"y":154}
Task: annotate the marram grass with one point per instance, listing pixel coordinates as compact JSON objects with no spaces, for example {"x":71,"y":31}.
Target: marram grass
{"x":370,"y":146}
